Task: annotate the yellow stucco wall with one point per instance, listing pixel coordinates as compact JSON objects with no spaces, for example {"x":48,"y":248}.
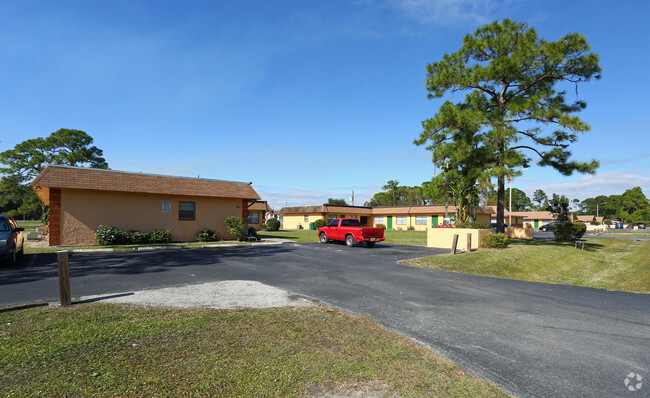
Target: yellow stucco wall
{"x":443,"y":237}
{"x":298,"y":221}
{"x":520,"y":233}
{"x":83,"y":211}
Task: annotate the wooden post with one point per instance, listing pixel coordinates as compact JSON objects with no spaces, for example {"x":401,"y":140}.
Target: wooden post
{"x":454,"y":244}
{"x":469,"y":242}
{"x":64,"y":278}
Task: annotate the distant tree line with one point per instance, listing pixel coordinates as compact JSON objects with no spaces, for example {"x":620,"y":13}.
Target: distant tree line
{"x":632,"y":206}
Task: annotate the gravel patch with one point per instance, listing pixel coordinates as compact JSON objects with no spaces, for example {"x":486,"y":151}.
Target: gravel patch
{"x":225,"y":295}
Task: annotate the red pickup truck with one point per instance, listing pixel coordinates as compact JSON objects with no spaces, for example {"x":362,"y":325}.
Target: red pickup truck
{"x":350,"y":231}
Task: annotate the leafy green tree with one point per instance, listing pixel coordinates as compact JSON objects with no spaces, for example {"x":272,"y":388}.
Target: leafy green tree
{"x":520,"y":201}
{"x":509,"y":75}
{"x":634,"y":205}
{"x":540,"y":198}
{"x":392,"y":186}
{"x":396,"y":195}
{"x":559,"y":206}
{"x":23,"y":163}
{"x":336,"y":202}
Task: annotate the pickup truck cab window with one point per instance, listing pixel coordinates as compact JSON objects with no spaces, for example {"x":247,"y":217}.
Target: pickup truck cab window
{"x":350,"y":223}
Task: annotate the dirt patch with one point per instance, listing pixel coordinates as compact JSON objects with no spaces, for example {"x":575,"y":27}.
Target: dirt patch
{"x":353,"y":389}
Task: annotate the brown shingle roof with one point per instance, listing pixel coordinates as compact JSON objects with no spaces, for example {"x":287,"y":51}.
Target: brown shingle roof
{"x":261,"y":205}
{"x":533,"y":215}
{"x":110,"y":180}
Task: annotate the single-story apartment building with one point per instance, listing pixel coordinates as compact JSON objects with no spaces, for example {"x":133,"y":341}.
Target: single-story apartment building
{"x":535,"y":218}
{"x":82,"y":199}
{"x":393,"y":217}
{"x":257,"y":213}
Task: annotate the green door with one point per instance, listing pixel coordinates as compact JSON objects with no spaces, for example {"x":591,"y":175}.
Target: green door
{"x":536,"y":224}
{"x":389,"y":222}
{"x":434,"y":221}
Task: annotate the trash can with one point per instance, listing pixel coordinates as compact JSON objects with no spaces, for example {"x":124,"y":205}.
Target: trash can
{"x":311,"y":226}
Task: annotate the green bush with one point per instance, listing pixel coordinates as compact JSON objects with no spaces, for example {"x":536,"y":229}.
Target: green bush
{"x":160,"y":236}
{"x":206,"y":235}
{"x":320,"y":223}
{"x":495,"y":241}
{"x":382,"y":226}
{"x":252,"y":231}
{"x":273,"y":225}
{"x":569,"y":231}
{"x":473,"y":225}
{"x":236,"y":226}
{"x":607,"y":221}
{"x":108,"y":235}
{"x":263,"y":226}
{"x":137,"y":237}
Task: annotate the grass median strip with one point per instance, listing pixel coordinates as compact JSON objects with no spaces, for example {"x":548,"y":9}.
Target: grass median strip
{"x":604,"y":263}
{"x":107,"y":350}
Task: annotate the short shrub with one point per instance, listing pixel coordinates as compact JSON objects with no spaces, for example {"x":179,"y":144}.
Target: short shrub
{"x":206,"y":235}
{"x":473,"y":225}
{"x":236,"y":226}
{"x":273,"y":224}
{"x":108,"y":235}
{"x":263,"y":226}
{"x":160,"y":236}
{"x":607,"y":221}
{"x":569,"y":231}
{"x":382,"y":226}
{"x":320,"y":223}
{"x":495,"y":241}
{"x":252,"y":232}
{"x":137,"y":237}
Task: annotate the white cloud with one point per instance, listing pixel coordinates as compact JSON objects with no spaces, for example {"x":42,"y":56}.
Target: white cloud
{"x":450,"y":12}
{"x":589,"y":186}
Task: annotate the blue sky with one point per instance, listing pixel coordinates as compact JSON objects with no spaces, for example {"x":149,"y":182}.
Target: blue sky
{"x":306,"y":99}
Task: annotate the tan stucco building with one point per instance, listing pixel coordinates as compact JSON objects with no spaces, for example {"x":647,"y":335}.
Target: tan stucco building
{"x":82,"y":199}
{"x":392,"y":217}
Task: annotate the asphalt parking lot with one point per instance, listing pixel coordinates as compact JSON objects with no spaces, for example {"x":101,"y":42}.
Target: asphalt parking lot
{"x":531,"y":339}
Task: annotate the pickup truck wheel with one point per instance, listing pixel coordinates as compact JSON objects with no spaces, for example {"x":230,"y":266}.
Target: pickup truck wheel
{"x":323,"y":237}
{"x":349,"y":240}
{"x":370,"y":244}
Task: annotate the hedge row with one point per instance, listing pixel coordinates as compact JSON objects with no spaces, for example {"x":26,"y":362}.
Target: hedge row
{"x":108,"y":235}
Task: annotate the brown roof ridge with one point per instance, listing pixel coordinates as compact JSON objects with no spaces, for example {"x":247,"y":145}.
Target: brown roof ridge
{"x":69,"y":177}
{"x":140,"y":173}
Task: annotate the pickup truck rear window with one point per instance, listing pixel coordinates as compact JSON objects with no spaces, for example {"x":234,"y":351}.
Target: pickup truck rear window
{"x":350,"y":223}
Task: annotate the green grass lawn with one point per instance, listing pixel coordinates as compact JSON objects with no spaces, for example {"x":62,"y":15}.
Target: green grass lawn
{"x":604,"y":263}
{"x":109,"y":350}
{"x":29,"y":225}
{"x":392,"y":237}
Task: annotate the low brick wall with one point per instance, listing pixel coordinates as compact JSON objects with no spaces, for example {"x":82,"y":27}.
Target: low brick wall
{"x":443,"y":237}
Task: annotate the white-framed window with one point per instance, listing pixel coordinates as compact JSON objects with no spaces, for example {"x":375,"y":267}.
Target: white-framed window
{"x":400,"y":220}
{"x":420,"y":220}
{"x":166,"y":206}
{"x":379,"y":220}
{"x":306,"y":217}
{"x":352,"y":216}
{"x":330,"y":217}
{"x":254,"y":218}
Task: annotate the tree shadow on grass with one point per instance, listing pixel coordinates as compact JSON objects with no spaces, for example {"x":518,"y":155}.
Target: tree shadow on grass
{"x":588,"y":245}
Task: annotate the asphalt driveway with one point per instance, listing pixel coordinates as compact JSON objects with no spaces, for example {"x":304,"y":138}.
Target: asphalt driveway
{"x":531,"y":339}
